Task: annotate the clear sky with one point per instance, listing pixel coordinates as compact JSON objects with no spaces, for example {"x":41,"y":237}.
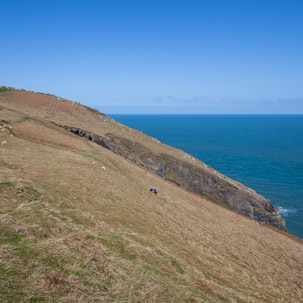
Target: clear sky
{"x":150,"y":56}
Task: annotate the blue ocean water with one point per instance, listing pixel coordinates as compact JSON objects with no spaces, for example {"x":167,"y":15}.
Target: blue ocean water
{"x":264,"y":152}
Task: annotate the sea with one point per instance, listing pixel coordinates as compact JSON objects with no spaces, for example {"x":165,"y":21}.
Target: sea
{"x":263,"y":152}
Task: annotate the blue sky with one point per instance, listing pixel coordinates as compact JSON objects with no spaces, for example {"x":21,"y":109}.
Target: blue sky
{"x":125,"y":56}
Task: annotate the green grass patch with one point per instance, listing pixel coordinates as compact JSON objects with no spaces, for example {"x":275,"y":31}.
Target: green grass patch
{"x":36,"y":299}
{"x":132,"y":257}
{"x":117,"y":245}
{"x":11,"y":131}
{"x":26,"y":252}
{"x":3,"y":90}
{"x":9,"y":272}
{"x":11,"y":288}
{"x":8,"y":236}
{"x":114,"y":243}
{"x":225,"y":204}
{"x":55,"y":262}
{"x":177,"y":266}
{"x":12,"y":295}
{"x":19,"y":241}
{"x":171,"y":176}
{"x":5,"y":185}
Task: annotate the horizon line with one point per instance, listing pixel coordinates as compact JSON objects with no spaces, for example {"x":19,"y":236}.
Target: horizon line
{"x":204,"y":114}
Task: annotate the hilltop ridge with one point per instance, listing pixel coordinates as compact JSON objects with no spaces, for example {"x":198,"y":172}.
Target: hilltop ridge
{"x":78,"y":223}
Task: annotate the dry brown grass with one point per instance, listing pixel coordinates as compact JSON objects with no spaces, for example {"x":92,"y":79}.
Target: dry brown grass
{"x":72,"y":231}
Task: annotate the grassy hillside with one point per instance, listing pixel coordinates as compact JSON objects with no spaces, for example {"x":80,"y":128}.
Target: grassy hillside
{"x":145,"y":151}
{"x":78,"y":223}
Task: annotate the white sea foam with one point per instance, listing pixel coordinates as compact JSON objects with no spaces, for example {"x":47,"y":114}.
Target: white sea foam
{"x":283,"y":212}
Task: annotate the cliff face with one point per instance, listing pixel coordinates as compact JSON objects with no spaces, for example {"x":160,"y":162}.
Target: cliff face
{"x":200,"y":180}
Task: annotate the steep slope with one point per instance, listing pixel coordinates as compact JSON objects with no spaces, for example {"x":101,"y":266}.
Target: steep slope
{"x":170,"y":163}
{"x":78,"y":224}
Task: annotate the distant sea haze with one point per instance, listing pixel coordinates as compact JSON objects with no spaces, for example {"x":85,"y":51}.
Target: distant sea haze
{"x":264,"y":152}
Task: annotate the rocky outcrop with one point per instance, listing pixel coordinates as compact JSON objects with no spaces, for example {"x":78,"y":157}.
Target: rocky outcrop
{"x":198,"y":179}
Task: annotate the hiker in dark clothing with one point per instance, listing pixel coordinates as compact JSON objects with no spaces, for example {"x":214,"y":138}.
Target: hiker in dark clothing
{"x":153,"y":190}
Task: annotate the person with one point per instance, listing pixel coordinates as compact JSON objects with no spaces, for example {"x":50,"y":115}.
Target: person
{"x":151,"y":190}
{"x":155,"y":191}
